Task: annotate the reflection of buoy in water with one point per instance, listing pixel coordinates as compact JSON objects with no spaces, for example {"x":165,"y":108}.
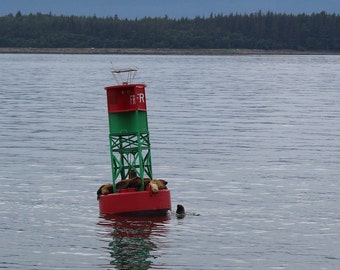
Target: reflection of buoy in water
{"x":132,"y":245}
{"x":180,"y":212}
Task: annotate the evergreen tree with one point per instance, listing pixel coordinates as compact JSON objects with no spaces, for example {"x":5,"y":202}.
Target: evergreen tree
{"x":318,"y":31}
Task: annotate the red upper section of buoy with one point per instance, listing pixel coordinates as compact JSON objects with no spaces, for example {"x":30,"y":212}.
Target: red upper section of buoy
{"x":126,"y":97}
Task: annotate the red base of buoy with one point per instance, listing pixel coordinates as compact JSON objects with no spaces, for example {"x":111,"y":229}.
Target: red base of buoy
{"x":136,"y":203}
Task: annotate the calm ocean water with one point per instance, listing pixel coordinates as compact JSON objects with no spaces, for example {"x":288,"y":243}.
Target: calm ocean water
{"x":251,"y":143}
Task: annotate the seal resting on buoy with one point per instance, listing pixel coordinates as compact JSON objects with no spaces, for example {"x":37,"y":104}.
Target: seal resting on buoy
{"x":155,"y":185}
{"x":180,"y":212}
{"x":134,"y":182}
{"x":104,"y":190}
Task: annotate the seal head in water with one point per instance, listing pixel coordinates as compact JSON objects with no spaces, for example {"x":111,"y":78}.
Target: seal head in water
{"x":180,"y":212}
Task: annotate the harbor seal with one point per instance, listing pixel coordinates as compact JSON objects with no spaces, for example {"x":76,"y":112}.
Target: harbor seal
{"x":180,"y":212}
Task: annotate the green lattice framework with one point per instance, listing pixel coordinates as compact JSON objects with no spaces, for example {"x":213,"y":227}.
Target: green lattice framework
{"x":131,"y":152}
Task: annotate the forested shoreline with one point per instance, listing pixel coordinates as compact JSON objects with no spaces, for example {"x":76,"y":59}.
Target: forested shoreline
{"x":256,"y":31}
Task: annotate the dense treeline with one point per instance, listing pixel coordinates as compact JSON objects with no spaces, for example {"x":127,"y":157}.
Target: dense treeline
{"x":317,"y":31}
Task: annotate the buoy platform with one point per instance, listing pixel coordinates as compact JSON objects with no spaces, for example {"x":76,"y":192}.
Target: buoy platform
{"x":132,"y":202}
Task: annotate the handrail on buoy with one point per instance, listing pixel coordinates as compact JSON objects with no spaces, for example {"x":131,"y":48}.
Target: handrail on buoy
{"x":130,"y":74}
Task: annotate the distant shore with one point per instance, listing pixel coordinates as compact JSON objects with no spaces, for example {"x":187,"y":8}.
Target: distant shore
{"x":161,"y":51}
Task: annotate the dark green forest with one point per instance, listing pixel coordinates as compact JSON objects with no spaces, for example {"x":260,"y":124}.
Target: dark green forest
{"x":267,"y":31}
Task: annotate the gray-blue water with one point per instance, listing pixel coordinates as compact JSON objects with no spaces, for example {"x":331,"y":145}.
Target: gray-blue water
{"x":251,"y":143}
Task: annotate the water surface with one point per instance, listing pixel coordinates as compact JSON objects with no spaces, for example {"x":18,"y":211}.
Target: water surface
{"x":251,"y":143}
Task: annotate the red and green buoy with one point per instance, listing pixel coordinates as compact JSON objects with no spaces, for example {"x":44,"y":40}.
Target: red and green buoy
{"x":130,"y":148}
